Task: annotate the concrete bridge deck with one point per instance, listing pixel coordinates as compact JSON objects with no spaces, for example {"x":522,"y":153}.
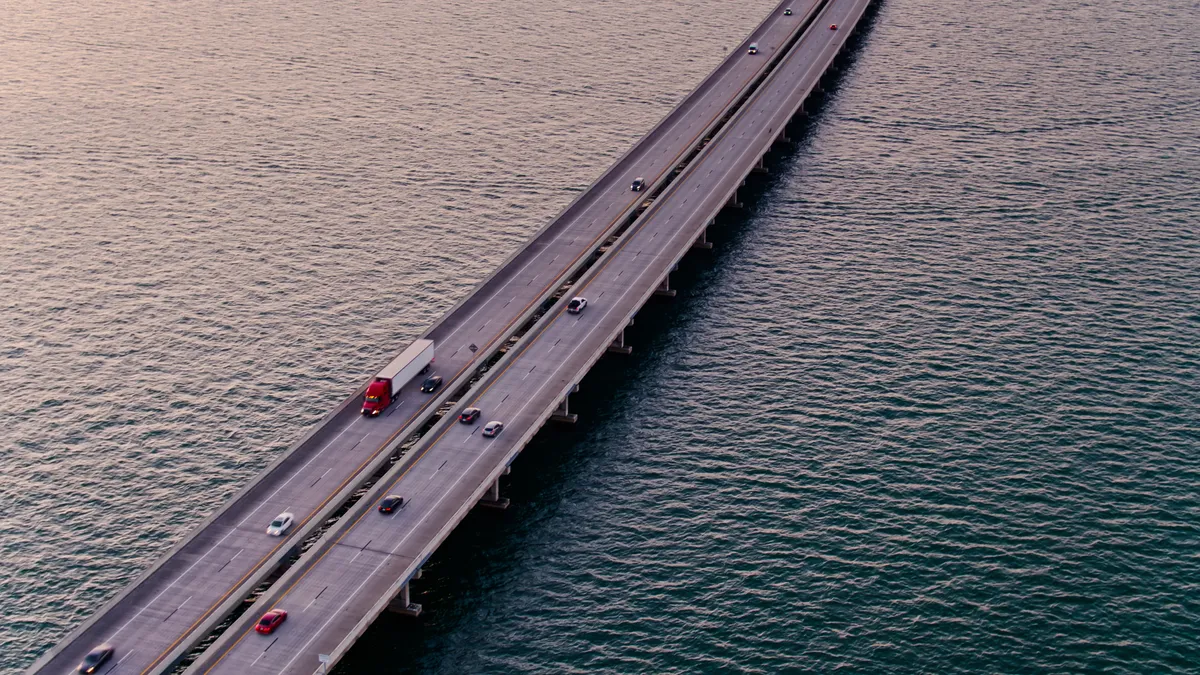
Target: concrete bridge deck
{"x":366,"y":563}
{"x":171,"y":607}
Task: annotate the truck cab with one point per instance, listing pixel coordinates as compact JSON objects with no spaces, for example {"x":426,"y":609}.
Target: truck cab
{"x":378,"y":397}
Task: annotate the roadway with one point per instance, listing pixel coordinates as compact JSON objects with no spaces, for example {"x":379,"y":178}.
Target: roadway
{"x":176,"y":603}
{"x":336,"y":592}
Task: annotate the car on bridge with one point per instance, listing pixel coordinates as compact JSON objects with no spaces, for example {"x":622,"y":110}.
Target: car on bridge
{"x":493,"y":429}
{"x":753,"y":48}
{"x":469,"y":415}
{"x":576,"y":305}
{"x":638,"y":184}
{"x":280,"y":525}
{"x":787,"y":11}
{"x":391,"y":503}
{"x":431,"y":383}
{"x":270,"y":621}
{"x":96,"y":658}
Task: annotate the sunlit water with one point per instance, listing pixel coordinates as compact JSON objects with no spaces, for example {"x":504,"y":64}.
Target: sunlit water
{"x":929,"y":407}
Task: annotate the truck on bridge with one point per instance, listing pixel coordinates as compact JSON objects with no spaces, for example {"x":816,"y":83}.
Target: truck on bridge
{"x":383,"y":389}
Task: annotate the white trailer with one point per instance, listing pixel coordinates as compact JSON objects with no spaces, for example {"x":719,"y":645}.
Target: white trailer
{"x":411,"y":362}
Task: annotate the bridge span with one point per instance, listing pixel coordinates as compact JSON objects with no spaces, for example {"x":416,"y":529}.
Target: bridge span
{"x":357,"y":572}
{"x":508,"y":348}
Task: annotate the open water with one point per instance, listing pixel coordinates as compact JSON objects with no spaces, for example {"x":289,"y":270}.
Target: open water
{"x":930,"y":407}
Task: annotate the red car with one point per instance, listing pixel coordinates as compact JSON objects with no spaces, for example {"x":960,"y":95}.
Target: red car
{"x":270,"y":621}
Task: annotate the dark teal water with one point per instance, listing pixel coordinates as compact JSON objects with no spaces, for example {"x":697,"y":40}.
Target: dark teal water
{"x":930,"y":406}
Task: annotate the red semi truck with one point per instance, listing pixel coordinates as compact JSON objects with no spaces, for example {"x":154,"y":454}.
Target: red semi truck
{"x":383,"y":389}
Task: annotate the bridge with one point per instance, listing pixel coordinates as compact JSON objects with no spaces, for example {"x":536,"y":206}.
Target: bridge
{"x":508,"y":348}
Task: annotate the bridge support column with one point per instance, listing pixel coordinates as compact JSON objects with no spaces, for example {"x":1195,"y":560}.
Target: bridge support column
{"x":664,"y":289}
{"x":402,"y":604}
{"x":618,"y":345}
{"x":492,"y":498}
{"x":761,"y":167}
{"x":563,"y":413}
{"x":702,"y":241}
{"x":733,"y":201}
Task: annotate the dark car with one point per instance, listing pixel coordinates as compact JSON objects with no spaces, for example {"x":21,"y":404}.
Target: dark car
{"x":431,"y":383}
{"x":95,"y":658}
{"x":469,"y":415}
{"x":753,"y":48}
{"x":787,"y":12}
{"x":391,"y":503}
{"x":270,"y":621}
{"x":576,"y":305}
{"x":639,"y":183}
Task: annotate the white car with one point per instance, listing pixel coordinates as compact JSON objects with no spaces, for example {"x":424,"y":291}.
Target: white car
{"x":280,"y":525}
{"x":493,"y":428}
{"x":576,"y":305}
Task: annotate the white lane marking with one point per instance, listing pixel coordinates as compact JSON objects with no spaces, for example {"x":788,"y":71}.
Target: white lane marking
{"x":235,"y":555}
{"x":483,"y":304}
{"x":169,"y":587}
{"x":296,"y":475}
{"x":178,"y":608}
{"x":218,"y":544}
{"x":120,"y":660}
{"x":263,"y":652}
{"x":318,"y":480}
{"x":315,"y":598}
{"x":349,"y":596}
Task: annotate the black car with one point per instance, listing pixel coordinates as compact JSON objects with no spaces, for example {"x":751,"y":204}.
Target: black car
{"x":753,"y":48}
{"x":787,"y":12}
{"x":431,"y":383}
{"x":391,"y":503}
{"x":469,"y":415}
{"x":96,"y":658}
{"x":638,"y":184}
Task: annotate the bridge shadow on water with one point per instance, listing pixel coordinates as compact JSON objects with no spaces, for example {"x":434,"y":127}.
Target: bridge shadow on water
{"x":486,"y":555}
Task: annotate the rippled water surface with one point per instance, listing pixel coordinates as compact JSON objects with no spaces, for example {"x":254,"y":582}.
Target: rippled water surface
{"x":929,"y":407}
